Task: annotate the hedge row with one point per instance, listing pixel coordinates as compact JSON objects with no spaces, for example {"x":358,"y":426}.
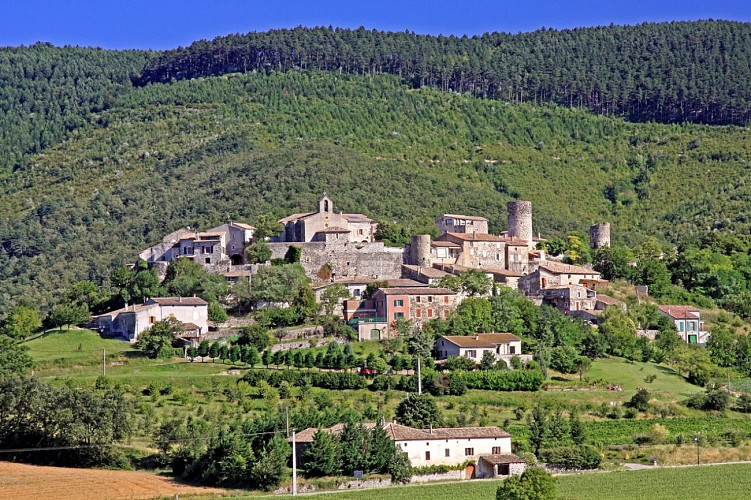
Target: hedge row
{"x":572,"y":457}
{"x":494,"y":380}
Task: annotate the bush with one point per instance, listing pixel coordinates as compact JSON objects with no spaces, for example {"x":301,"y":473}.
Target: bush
{"x":572,"y":457}
{"x":534,"y":483}
{"x":735,"y":437}
{"x":639,"y":401}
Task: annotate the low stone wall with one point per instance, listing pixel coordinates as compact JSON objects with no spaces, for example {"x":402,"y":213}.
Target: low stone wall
{"x":451,"y":475}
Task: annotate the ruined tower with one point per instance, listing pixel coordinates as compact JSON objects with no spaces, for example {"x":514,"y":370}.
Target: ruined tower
{"x":520,"y":220}
{"x":599,"y":235}
{"x":419,"y":250}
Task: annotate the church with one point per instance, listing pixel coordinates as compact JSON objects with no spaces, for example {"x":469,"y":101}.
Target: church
{"x":325,"y":225}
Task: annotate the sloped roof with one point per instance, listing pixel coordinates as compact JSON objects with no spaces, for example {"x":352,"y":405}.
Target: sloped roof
{"x":429,"y":272}
{"x":294,"y":217}
{"x":481,"y":339}
{"x":475,"y":236}
{"x":242,"y":225}
{"x":607,"y":299}
{"x":561,"y":268}
{"x":334,"y":229}
{"x":448,"y":244}
{"x":179,"y":301}
{"x":357,"y":218}
{"x":424,"y":290}
{"x":466,"y":217}
{"x":502,"y":458}
{"x":680,"y":312}
{"x":398,"y":432}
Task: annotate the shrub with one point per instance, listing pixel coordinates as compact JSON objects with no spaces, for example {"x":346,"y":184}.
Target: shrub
{"x":494,"y":380}
{"x":735,"y":437}
{"x":639,"y":401}
{"x":572,"y":457}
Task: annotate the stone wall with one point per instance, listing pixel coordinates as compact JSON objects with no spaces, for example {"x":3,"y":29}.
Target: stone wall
{"x":348,"y":259}
{"x":440,"y":476}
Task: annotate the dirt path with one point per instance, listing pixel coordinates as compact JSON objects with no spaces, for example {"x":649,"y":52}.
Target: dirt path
{"x":21,"y":481}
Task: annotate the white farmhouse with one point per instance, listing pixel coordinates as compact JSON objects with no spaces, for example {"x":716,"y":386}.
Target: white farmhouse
{"x":503,"y":346}
{"x":132,"y":320}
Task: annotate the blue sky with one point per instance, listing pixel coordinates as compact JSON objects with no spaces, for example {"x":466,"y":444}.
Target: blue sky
{"x":162,"y":24}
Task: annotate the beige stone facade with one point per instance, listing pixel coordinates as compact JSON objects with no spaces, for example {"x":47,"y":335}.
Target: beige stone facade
{"x":325,"y":225}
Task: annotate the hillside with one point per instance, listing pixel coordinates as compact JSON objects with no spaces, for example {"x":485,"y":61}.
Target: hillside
{"x":666,"y":72}
{"x":200,"y":152}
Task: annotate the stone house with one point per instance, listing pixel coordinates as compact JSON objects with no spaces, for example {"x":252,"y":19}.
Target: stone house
{"x":418,"y":304}
{"x":503,"y":346}
{"x":223,"y":244}
{"x":550,"y":274}
{"x":450,"y":223}
{"x":439,"y":446}
{"x":325,"y":225}
{"x":425,"y":275}
{"x":570,"y":299}
{"x":604,"y":301}
{"x":687,"y":320}
{"x":444,"y":252}
{"x":500,"y":466}
{"x":132,"y":320}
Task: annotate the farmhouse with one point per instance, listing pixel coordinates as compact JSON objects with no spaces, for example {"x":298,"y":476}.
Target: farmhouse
{"x":687,"y":320}
{"x":443,"y":446}
{"x":503,"y":346}
{"x":132,"y":320}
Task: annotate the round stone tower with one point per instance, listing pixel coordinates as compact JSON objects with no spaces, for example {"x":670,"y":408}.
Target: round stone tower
{"x":419,"y":250}
{"x":599,"y":235}
{"x":520,"y":220}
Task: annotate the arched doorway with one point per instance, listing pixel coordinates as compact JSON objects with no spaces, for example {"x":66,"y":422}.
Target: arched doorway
{"x":236,"y":259}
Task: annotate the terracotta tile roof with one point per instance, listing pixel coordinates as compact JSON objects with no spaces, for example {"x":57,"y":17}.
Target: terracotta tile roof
{"x":449,"y":244}
{"x":242,"y":225}
{"x":503,"y":458}
{"x":488,"y":270}
{"x":481,"y":339}
{"x":357,"y":218}
{"x":561,"y":268}
{"x":405,"y":283}
{"x":179,"y":301}
{"x":424,"y":290}
{"x":334,"y":230}
{"x":294,"y":217}
{"x":132,"y":308}
{"x":466,"y":217}
{"x":607,"y":299}
{"x":429,"y":272}
{"x":475,"y":236}
{"x":681,"y":312}
{"x":399,"y":432}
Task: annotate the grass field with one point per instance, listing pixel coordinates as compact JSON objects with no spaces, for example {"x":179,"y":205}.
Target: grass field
{"x":706,"y":482}
{"x":75,"y":346}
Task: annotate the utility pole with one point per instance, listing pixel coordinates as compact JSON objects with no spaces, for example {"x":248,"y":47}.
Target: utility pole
{"x":104,"y":363}
{"x":419,"y":377}
{"x":286,"y":410}
{"x":294,"y":466}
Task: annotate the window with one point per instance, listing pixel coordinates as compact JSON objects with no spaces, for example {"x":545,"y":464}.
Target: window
{"x":680,"y":326}
{"x":430,"y":313}
{"x":418,"y":313}
{"x":446,"y":299}
{"x":359,"y":231}
{"x":512,"y":349}
{"x":398,"y":315}
{"x":471,"y":353}
{"x":496,"y":450}
{"x":398,"y":303}
{"x":358,"y":292}
{"x":208,"y":260}
{"x":430,"y":298}
{"x":448,"y":452}
{"x":206,"y":249}
{"x":427,"y":456}
{"x":469,"y":451}
{"x":418,"y":299}
{"x":152,"y":320}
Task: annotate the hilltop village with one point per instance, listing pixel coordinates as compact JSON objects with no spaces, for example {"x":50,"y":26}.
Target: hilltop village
{"x":411,"y":283}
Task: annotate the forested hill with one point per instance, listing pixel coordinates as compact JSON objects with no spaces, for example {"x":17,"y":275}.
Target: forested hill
{"x":668,"y":72}
{"x":204,"y":151}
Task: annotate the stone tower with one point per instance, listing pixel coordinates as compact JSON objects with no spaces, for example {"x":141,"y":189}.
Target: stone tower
{"x":520,"y":220}
{"x":599,"y":235}
{"x":419,"y":250}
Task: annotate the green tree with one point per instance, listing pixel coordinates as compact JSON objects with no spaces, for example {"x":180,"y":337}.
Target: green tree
{"x":68,"y":314}
{"x":488,"y":361}
{"x":305,"y":303}
{"x":258,"y":252}
{"x":417,"y":410}
{"x":217,"y":312}
{"x":203,"y":349}
{"x":539,"y":430}
{"x":722,"y":346}
{"x":331,"y":296}
{"x":322,"y":456}
{"x":373,"y":287}
{"x":293,"y":254}
{"x":185,"y":278}
{"x":533,"y":484}
{"x":21,"y":321}
{"x":278,"y":284}
{"x":251,"y":356}
{"x":214,"y":351}
{"x":14,"y":358}
{"x":192,"y":352}
{"x":256,"y":336}
{"x":266,"y":226}
{"x":156,"y":342}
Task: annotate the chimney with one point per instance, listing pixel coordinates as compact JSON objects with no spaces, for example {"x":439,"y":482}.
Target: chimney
{"x":431,"y":429}
{"x":477,"y":337}
{"x":179,"y":299}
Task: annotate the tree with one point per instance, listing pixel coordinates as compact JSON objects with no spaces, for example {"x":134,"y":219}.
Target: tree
{"x":488,"y":361}
{"x":257,"y":252}
{"x":217,"y":312}
{"x":156,"y":342}
{"x":267,"y":472}
{"x":14,"y":358}
{"x":256,"y":336}
{"x":293,"y":254}
{"x":251,"y":356}
{"x":533,"y":484}
{"x":722,"y":346}
{"x":21,"y":321}
{"x":331,"y":296}
{"x":537,"y":420}
{"x":214,"y":351}
{"x":192,"y":352}
{"x":640,"y":400}
{"x":280,"y":284}
{"x":185,"y":278}
{"x":266,"y":226}
{"x":322,"y":457}
{"x":582,"y":365}
{"x":203,"y":349}
{"x":84,"y":293}
{"x":417,"y":410}
{"x":372,"y":288}
{"x":614,"y":262}
{"x":474,"y":282}
{"x":68,"y":314}
{"x":305,"y":303}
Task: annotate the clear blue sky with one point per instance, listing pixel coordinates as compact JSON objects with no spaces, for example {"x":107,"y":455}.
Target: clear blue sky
{"x":161,"y":24}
